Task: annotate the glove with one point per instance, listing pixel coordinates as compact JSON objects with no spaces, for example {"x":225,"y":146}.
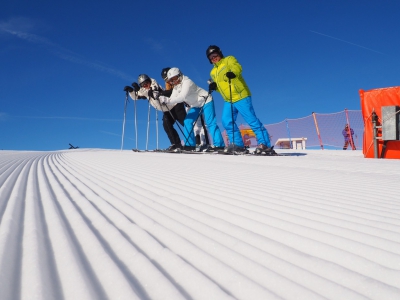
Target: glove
{"x":136,"y":87}
{"x":230,"y":75}
{"x":150,"y":93}
{"x":141,"y":97}
{"x":164,"y":100}
{"x":156,"y":94}
{"x":153,"y":94}
{"x":166,"y":93}
{"x":212,"y":87}
{"x":128,"y":89}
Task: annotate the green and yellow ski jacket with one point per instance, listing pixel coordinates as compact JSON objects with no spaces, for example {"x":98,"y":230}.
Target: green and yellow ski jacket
{"x":239,"y":87}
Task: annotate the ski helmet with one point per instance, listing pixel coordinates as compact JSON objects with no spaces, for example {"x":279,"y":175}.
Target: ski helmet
{"x":143,"y":78}
{"x":213,"y":49}
{"x":164,"y":73}
{"x":174,"y":72}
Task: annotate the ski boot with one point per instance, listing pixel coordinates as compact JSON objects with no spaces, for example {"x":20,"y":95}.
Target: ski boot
{"x":212,"y":148}
{"x":173,"y":148}
{"x":189,"y":148}
{"x":264,"y":150}
{"x":233,"y":149}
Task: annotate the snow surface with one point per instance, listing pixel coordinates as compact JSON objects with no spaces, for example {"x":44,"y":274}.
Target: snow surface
{"x":110,"y":224}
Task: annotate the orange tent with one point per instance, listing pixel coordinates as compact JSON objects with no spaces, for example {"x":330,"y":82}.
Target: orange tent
{"x":371,"y":101}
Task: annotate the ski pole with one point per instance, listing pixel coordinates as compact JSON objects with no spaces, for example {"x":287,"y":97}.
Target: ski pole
{"x":233,"y":123}
{"x":205,"y":130}
{"x":176,"y":122}
{"x":150,"y":94}
{"x":200,"y":112}
{"x":123,"y":123}
{"x":157,"y":129}
{"x":134,"y":108}
{"x":148,"y":127}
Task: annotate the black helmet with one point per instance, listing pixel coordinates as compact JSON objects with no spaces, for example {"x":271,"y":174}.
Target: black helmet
{"x":213,"y":49}
{"x":164,"y":73}
{"x":143,"y":78}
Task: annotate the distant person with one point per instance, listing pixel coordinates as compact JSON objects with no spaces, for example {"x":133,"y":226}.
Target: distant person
{"x":348,"y":137}
{"x":237,"y":97}
{"x":185,"y":90}
{"x":148,"y":88}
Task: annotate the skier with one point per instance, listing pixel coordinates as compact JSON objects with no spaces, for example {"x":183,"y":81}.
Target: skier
{"x":348,"y":133}
{"x":148,"y":88}
{"x":185,"y":90}
{"x":228,"y":81}
{"x":200,"y":130}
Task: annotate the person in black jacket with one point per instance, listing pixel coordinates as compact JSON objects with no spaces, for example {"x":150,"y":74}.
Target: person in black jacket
{"x":177,"y":113}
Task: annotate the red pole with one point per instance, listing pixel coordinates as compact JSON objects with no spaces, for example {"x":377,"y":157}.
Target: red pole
{"x":316,"y":127}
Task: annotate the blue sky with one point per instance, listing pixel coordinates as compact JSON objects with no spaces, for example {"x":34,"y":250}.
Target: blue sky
{"x":64,"y":63}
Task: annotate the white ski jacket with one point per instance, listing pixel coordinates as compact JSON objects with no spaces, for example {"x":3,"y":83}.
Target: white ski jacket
{"x":187,"y":91}
{"x":153,"y":102}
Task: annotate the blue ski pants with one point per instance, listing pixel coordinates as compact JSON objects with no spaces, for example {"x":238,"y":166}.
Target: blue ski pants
{"x":210,"y":119}
{"x":245,"y":108}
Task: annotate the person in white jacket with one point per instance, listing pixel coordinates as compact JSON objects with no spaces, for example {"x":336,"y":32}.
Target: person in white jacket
{"x":148,"y":88}
{"x":199,"y":100}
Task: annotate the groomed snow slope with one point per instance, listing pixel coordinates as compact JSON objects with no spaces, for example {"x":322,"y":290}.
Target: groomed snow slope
{"x":109,"y":224}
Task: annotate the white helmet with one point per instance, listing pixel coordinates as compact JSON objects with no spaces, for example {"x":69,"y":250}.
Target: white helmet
{"x":173,"y":72}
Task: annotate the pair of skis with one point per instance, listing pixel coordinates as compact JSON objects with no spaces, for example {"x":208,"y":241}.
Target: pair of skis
{"x":222,"y":152}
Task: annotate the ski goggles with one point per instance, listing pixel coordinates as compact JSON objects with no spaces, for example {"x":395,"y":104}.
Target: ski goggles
{"x":145,"y":84}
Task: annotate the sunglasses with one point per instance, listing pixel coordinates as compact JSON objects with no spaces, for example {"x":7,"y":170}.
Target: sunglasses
{"x":213,"y":56}
{"x":145,"y":84}
{"x":174,"y":79}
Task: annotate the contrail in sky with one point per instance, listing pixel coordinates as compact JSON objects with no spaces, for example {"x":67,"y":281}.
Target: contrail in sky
{"x":61,"y":52}
{"x":68,"y":118}
{"x":347,"y":42}
{"x":115,"y":134}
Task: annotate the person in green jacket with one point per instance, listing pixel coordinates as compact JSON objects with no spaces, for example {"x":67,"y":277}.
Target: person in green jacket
{"x":228,"y":81}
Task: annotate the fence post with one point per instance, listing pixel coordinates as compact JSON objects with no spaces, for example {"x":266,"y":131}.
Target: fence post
{"x":288,"y":131}
{"x":353,"y":147}
{"x":375,"y":133}
{"x":316,"y":127}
